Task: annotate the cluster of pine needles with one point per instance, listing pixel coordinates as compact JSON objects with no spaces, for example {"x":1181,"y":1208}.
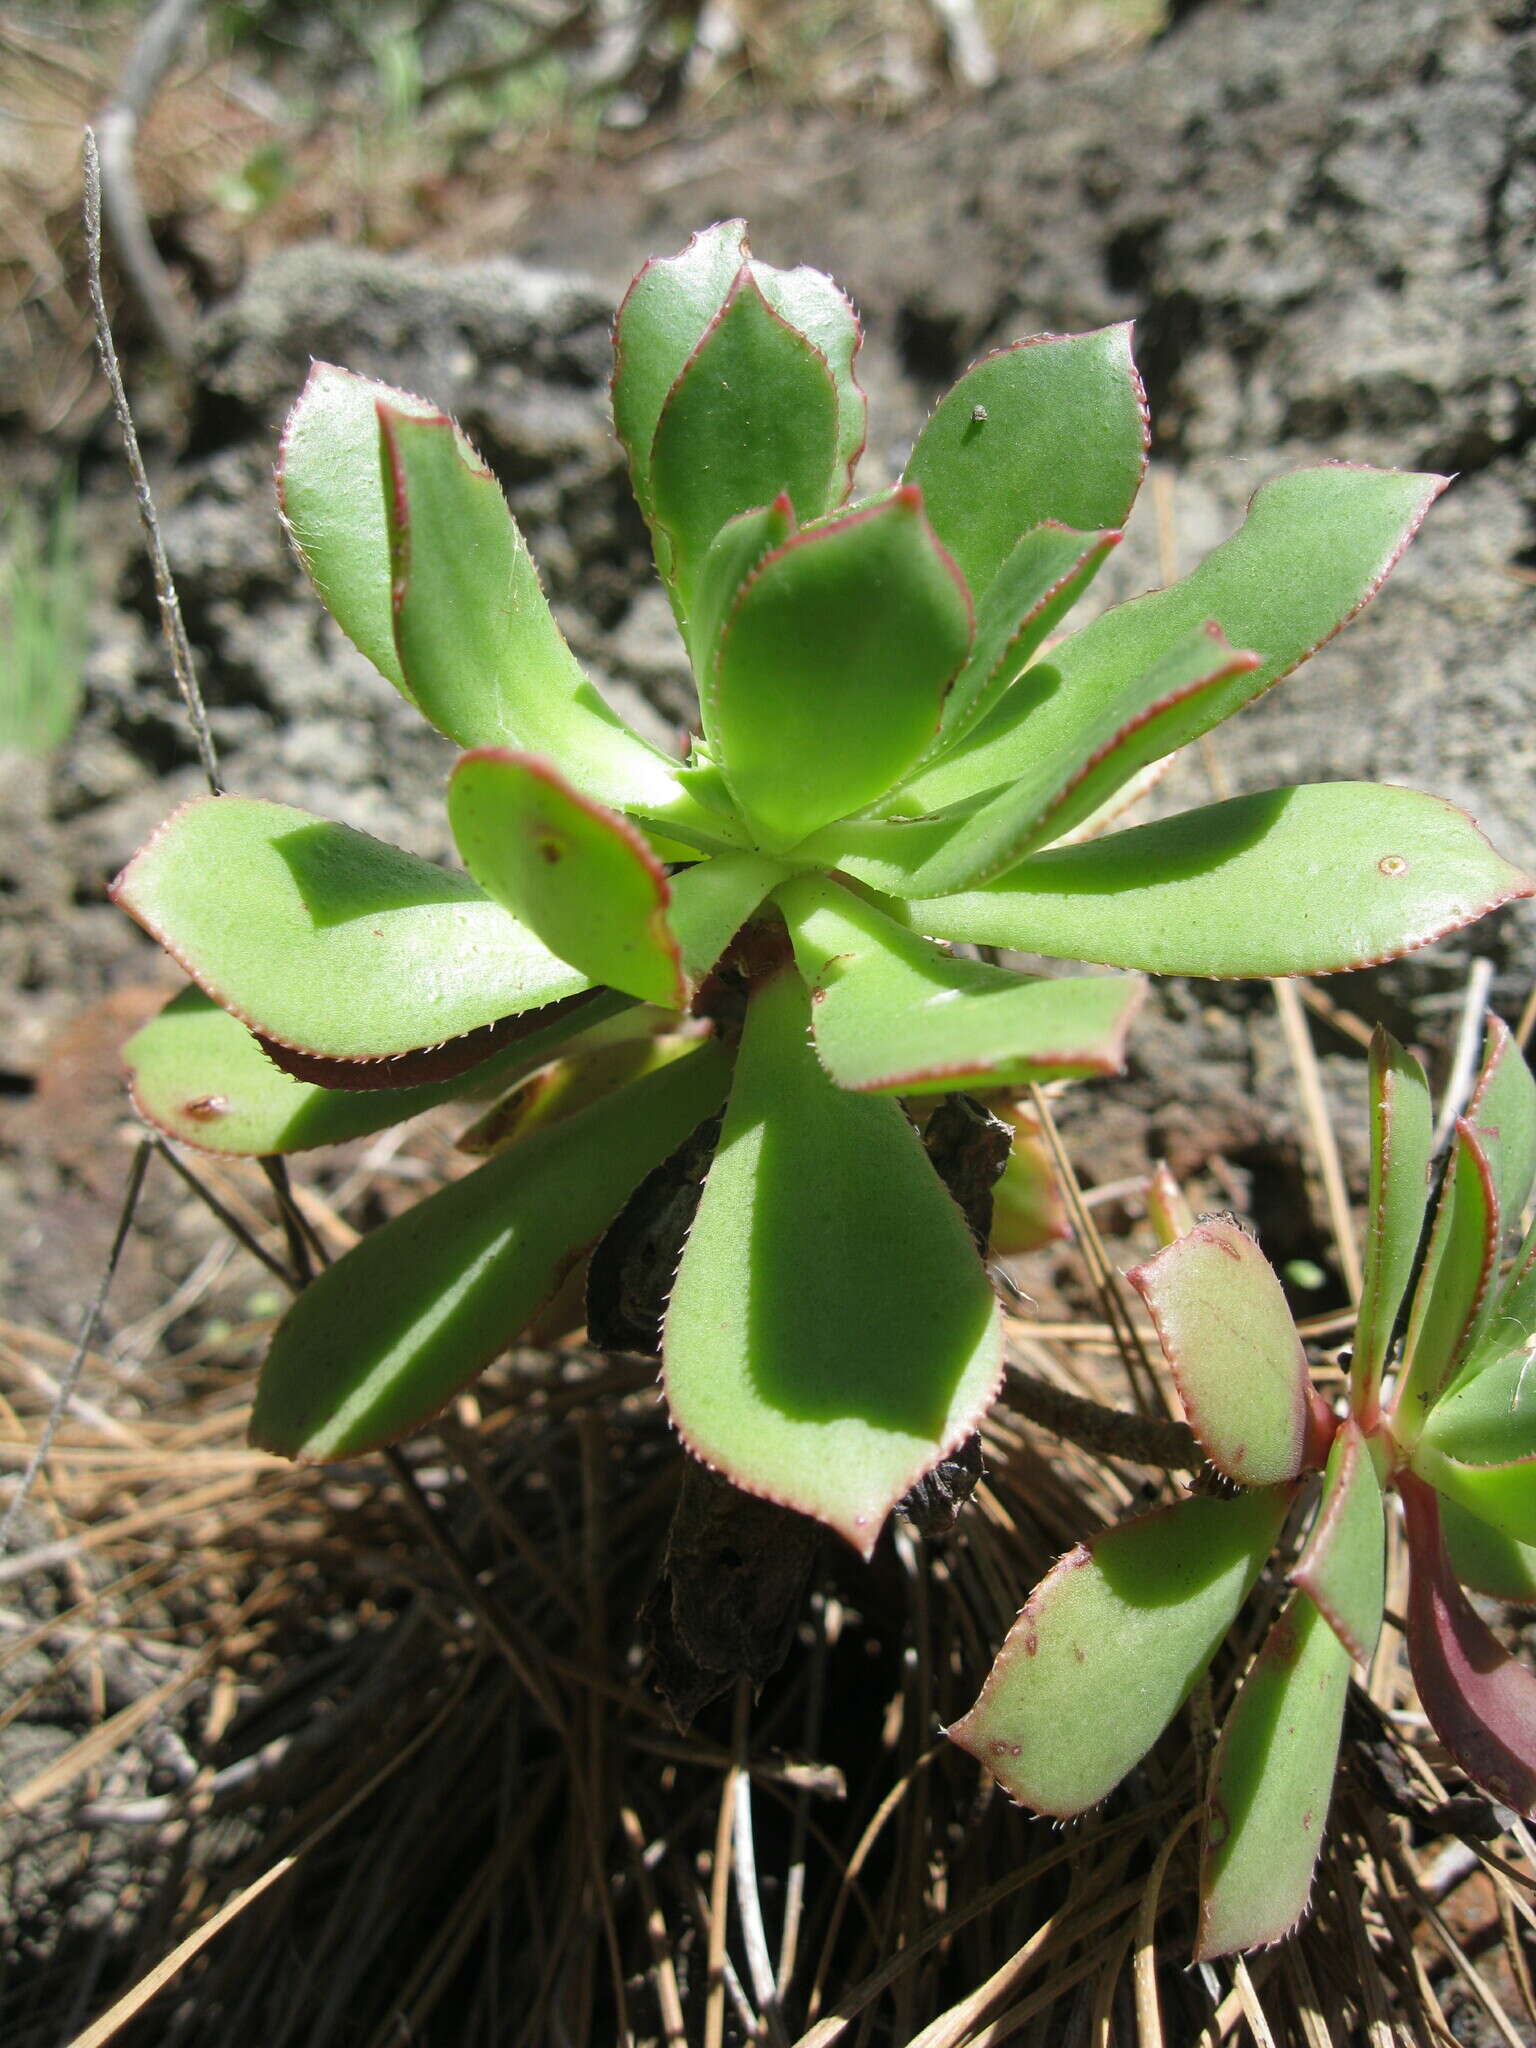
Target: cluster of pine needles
{"x":367,"y":1754}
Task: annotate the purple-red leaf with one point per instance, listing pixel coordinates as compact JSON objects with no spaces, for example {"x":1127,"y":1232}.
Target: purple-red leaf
{"x":1480,"y":1700}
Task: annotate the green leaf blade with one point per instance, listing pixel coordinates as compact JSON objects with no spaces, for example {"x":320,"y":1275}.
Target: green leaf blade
{"x":1342,"y":1567}
{"x":663,"y":316}
{"x":384,"y":1338}
{"x":835,"y":658}
{"x":1271,"y":1786}
{"x":580,"y":877}
{"x":832,"y":1333}
{"x":323,"y":939}
{"x":1402,"y":1138}
{"x":1227,"y":1334}
{"x":1314,"y":549}
{"x":1038,"y":583}
{"x":1053,"y":428}
{"x":752,"y":417}
{"x":332,"y":500}
{"x":891,"y":1013}
{"x":1454,"y":1283}
{"x":735,"y":552}
{"x":712,"y":900}
{"x":197,"y":1074}
{"x":1503,"y":1107}
{"x":814,"y":306}
{"x":1117,"y":738}
{"x":1485,"y":1559}
{"x":1302,"y":881}
{"x":1133,"y":1618}
{"x":1479,"y":1445}
{"x":478,"y":644}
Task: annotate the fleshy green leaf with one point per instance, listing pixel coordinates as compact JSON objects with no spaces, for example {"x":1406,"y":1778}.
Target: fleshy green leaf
{"x":1504,"y":1496}
{"x":1290,"y":881}
{"x":1503,"y":1106}
{"x":1487,"y":1560}
{"x":1315,"y":546}
{"x":1458,"y":1268}
{"x":1489,"y":1420}
{"x":734,"y":553}
{"x":1511,"y":1316}
{"x":832,"y":667}
{"x":713,"y":899}
{"x":1116,"y":738}
{"x":1401,"y":1141}
{"x":1343,"y":1565}
{"x":892,"y":1013}
{"x":1480,"y":1700}
{"x":1052,"y":428}
{"x":199,"y":1076}
{"x":479,"y":646}
{"x":1221,"y":1318}
{"x":832,"y":1333}
{"x":1047,"y":572}
{"x":324,"y":939}
{"x":1479,"y":1445}
{"x":1271,"y":1784}
{"x":1168,"y":1208}
{"x":815,"y":306}
{"x":753,"y":415}
{"x":886,"y":853}
{"x":1028,"y":1207}
{"x":580,"y":877}
{"x":659,"y":325}
{"x":332,"y":497}
{"x":385,"y":1337}
{"x":1110,"y":1644}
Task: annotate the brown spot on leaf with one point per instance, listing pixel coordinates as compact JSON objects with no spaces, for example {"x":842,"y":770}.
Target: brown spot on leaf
{"x":206,"y":1109}
{"x":1392,"y":865}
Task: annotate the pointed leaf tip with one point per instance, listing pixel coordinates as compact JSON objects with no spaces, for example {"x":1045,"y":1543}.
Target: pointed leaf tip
{"x":753,"y":413}
{"x":895,"y":1014}
{"x":331,"y":495}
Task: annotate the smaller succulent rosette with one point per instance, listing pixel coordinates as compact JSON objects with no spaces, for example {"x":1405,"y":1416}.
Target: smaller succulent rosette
{"x":1444,"y":1417}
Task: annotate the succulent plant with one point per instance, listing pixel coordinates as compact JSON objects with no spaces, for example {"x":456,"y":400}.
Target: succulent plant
{"x":893,"y":752}
{"x":1445,"y":1418}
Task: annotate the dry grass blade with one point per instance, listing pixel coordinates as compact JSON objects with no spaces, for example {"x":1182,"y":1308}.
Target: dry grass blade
{"x":1325,"y":1146}
{"x":1149,"y":2014}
